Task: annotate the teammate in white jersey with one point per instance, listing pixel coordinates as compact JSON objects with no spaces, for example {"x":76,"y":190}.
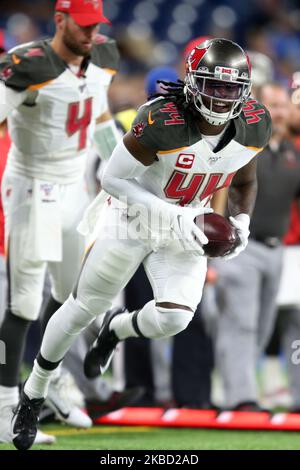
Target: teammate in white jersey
{"x":54,"y":94}
{"x":184,"y":146}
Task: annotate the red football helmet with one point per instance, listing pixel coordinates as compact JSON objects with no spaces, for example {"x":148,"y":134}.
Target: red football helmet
{"x":218,"y":80}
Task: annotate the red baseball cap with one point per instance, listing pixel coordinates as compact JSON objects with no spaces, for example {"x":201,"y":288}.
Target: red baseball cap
{"x":83,"y":12}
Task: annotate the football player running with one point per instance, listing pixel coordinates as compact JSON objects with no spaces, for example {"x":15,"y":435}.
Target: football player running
{"x":184,"y":146}
{"x":54,"y":94}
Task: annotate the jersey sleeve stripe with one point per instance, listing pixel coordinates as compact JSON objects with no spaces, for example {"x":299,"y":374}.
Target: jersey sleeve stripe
{"x":255,"y":149}
{"x":110,"y":71}
{"x":39,"y":85}
{"x":163,"y":152}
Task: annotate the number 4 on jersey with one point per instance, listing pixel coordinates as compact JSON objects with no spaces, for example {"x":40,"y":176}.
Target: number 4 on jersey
{"x":79,"y":124}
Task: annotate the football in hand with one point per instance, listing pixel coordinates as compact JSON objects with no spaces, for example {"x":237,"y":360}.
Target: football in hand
{"x":222,"y":236}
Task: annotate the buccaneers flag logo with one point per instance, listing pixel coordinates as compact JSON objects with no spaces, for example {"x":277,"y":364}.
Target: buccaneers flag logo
{"x":138,"y":129}
{"x":6,"y":73}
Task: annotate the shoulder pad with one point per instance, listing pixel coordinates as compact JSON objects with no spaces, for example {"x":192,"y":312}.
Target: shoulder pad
{"x":105,"y":53}
{"x":30,"y":65}
{"x":254,"y":125}
{"x":159,"y":125}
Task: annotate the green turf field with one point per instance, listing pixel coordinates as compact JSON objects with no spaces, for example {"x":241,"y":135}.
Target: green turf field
{"x":133,"y":438}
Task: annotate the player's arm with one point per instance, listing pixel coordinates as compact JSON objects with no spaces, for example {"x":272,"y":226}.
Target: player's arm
{"x":243,"y":189}
{"x":106,"y":135}
{"x":219,"y":201}
{"x":130,"y":160}
{"x":10,"y":99}
{"x":241,"y":200}
{"x":105,"y":54}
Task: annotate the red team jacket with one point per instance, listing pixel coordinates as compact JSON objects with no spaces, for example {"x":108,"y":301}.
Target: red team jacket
{"x":293,"y":235}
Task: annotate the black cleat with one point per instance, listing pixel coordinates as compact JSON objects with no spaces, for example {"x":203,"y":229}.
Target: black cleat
{"x":98,"y":358}
{"x":117,"y":400}
{"x":25,"y":421}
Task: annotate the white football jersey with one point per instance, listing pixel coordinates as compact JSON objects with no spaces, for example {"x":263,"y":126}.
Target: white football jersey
{"x":52,"y":129}
{"x":188,"y":170}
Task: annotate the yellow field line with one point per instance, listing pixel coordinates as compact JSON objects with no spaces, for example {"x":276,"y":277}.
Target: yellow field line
{"x":98,"y":430}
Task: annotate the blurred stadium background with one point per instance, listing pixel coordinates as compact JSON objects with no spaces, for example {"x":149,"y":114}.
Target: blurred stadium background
{"x":151,"y":33}
{"x":163,"y":27}
{"x":155,"y":32}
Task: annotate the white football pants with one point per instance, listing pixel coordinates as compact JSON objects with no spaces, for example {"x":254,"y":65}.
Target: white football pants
{"x":26,"y":277}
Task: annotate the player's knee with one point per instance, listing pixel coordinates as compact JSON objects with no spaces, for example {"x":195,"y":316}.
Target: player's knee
{"x":96,"y":304}
{"x":71,"y":317}
{"x":173,"y":320}
{"x":26,"y":305}
{"x":61,"y":293}
{"x":78,"y":317}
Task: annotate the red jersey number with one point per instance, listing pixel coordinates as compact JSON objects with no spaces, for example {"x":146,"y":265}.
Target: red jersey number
{"x":174,"y":188}
{"x":174,"y":114}
{"x":252,"y":115}
{"x":79,"y":124}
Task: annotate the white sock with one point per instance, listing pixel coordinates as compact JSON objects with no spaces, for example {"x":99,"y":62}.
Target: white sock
{"x":38,"y":382}
{"x":57,"y":373}
{"x":9,"y":396}
{"x":122,"y":326}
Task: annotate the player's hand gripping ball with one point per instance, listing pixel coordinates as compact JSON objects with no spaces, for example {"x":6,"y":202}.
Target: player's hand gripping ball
{"x":222,"y":235}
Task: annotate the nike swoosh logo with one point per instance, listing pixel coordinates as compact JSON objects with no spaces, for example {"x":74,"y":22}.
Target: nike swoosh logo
{"x":150,"y":120}
{"x":54,"y":407}
{"x":16,"y":59}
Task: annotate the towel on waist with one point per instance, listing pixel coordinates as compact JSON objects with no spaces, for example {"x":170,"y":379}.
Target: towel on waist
{"x":44,"y":242}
